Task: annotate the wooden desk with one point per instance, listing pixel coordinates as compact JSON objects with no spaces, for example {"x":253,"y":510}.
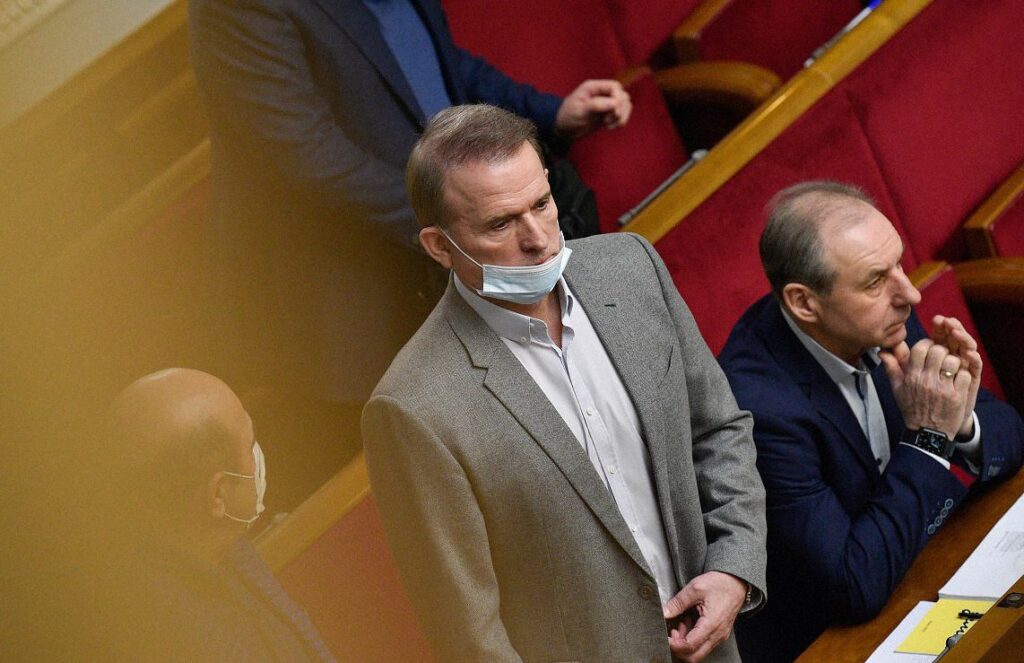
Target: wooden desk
{"x":943,"y":555}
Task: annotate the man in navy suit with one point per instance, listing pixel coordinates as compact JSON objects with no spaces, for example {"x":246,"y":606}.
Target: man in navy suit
{"x":868,"y":432}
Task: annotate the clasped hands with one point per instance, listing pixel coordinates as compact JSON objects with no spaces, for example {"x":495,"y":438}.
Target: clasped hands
{"x":708,"y":604}
{"x":936,"y":381}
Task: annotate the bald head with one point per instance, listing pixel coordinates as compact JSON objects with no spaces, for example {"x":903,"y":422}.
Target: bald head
{"x":173,"y":430}
{"x":792,"y":250}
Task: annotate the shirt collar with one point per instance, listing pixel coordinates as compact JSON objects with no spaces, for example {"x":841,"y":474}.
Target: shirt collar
{"x":516,"y":326}
{"x":838,"y":370}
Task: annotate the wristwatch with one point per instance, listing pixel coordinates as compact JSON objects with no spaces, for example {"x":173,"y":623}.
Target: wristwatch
{"x":930,"y":440}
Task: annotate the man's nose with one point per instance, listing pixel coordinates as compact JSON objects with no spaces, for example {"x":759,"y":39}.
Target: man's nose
{"x":533,"y":233}
{"x":905,"y":293}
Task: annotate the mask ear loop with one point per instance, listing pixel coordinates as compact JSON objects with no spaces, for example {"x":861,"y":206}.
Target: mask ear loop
{"x":247,"y":521}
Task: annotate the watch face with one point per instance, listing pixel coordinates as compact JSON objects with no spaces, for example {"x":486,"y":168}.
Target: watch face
{"x":933,"y":442}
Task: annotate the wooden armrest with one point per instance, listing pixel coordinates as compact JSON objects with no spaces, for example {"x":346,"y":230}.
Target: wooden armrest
{"x":994,"y":289}
{"x":302,"y":527}
{"x":738,"y":86}
{"x":978,"y":228}
{"x":992,"y":280}
{"x":686,"y":37}
{"x":629,"y":76}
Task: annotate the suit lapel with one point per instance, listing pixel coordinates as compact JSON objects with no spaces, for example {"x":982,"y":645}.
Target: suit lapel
{"x":817,"y":385}
{"x":631,"y":355}
{"x":511,"y":384}
{"x":362,"y":28}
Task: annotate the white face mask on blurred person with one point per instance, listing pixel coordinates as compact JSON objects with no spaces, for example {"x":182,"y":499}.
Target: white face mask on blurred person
{"x":260,"y":477}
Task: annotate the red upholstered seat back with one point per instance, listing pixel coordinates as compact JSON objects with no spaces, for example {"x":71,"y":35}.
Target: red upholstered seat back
{"x":557,"y":45}
{"x":644,"y":26}
{"x":776,"y":35}
{"x":551,"y":45}
{"x":941,"y":295}
{"x":941,"y":105}
{"x":624,"y":165}
{"x":713,"y":253}
{"x":348,"y":584}
{"x":1008,"y":230}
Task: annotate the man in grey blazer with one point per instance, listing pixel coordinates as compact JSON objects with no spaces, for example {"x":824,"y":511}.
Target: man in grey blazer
{"x":560,"y":467}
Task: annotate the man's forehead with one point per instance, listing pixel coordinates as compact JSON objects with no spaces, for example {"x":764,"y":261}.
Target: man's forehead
{"x":863,"y":243}
{"x":479,"y":184}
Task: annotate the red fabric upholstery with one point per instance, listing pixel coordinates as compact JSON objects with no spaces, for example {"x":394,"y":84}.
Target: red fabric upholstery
{"x":348,"y":584}
{"x":942,"y":296}
{"x":624,"y":165}
{"x":941,"y":104}
{"x":776,"y":35}
{"x":1008,"y":230}
{"x":712,"y":254}
{"x":554,"y":46}
{"x":532,"y":41}
{"x":643,"y":27}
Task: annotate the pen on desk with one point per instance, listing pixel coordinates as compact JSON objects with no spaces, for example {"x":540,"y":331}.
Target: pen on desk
{"x":839,"y":35}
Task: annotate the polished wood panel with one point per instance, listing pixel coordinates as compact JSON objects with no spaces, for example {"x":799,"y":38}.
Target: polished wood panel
{"x":943,"y":555}
{"x":998,"y":637}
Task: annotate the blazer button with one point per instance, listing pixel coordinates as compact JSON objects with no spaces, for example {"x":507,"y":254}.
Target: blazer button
{"x":646,"y":592}
{"x":949,"y":503}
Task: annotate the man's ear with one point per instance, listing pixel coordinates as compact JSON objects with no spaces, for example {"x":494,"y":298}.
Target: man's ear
{"x":801,"y":302}
{"x":213,"y":496}
{"x":436,"y":245}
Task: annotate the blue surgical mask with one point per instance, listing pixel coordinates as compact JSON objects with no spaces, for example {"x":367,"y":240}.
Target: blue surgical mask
{"x":260,"y":478}
{"x":520,"y":285}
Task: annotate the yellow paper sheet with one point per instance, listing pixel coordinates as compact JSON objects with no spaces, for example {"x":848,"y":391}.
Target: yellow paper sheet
{"x":929,"y":637}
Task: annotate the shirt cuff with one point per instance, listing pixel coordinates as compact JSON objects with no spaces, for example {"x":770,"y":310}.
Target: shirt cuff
{"x":971,"y":449}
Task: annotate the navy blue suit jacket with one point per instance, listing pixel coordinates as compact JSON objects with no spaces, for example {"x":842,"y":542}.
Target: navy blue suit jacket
{"x":307,"y":103}
{"x":311,"y":124}
{"x":841,"y":534}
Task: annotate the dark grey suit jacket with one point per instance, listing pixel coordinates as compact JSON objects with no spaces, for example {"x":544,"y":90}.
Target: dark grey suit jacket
{"x":508,"y":542}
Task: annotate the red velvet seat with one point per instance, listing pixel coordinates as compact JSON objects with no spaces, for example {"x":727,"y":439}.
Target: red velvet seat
{"x":557,"y":45}
{"x":348,"y":583}
{"x":941,"y":104}
{"x":712,"y":254}
{"x":642,"y":28}
{"x":776,"y":35}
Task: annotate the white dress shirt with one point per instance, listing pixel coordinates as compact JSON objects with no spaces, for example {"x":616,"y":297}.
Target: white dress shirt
{"x":580,"y":381}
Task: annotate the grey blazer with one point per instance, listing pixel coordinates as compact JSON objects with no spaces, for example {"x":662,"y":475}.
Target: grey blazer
{"x":508,"y":543}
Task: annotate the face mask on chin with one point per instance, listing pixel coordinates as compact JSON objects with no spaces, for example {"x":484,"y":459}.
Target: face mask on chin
{"x":520,"y":285}
{"x":260,"y":477}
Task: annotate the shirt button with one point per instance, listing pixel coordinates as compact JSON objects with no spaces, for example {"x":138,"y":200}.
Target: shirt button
{"x":590,"y":412}
{"x":633,"y":529}
{"x":522,"y":339}
{"x":611,"y":469}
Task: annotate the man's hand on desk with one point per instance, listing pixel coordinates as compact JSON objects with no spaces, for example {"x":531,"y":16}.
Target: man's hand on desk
{"x":708,"y":604}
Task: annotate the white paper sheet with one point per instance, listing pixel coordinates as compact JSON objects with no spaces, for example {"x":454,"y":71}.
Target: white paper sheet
{"x":886,"y":652}
{"x":995,"y":564}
